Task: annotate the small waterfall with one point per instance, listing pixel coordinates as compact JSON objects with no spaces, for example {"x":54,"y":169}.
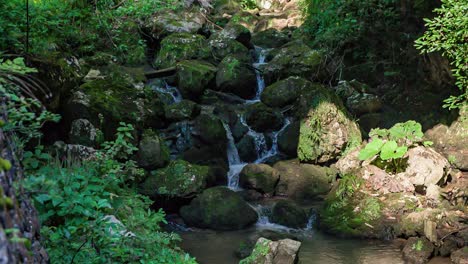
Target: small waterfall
{"x":260,"y":81}
{"x":235,"y":164}
{"x":273,"y":151}
{"x":164,"y":88}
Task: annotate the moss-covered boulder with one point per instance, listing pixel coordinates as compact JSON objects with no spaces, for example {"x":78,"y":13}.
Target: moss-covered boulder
{"x":246,"y":148}
{"x":82,"y":132}
{"x":288,"y":140}
{"x":303,"y":181}
{"x":327,"y":130}
{"x":363,"y":103}
{"x":262,"y":118}
{"x":194,"y":77}
{"x":210,"y":129}
{"x":285,"y":92}
{"x":183,"y":110}
{"x":222,"y":46}
{"x":219,"y":208}
{"x":165,"y":22}
{"x":288,"y":213}
{"x":152,"y":151}
{"x":179,"y":179}
{"x":270,"y":38}
{"x":418,"y":250}
{"x":294,"y":59}
{"x":260,"y":177}
{"x":237,"y":32}
{"x":182,"y":46}
{"x":235,"y":76}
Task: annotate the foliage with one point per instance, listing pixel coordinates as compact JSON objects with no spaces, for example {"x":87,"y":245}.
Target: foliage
{"x":259,"y":251}
{"x":26,"y":115}
{"x":418,"y":246}
{"x":90,"y":215}
{"x":388,"y":146}
{"x":248,"y":4}
{"x":448,"y":33}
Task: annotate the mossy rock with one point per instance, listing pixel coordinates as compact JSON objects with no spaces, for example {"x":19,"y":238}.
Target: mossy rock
{"x":303,"y":181}
{"x":222,"y":46}
{"x":289,"y":214}
{"x":183,"y":110}
{"x":270,"y":38}
{"x":294,"y":59}
{"x":165,"y":22}
{"x":194,"y":77}
{"x":288,"y":140}
{"x":182,"y":46}
{"x":327,"y":130}
{"x":211,"y":129}
{"x":82,"y":132}
{"x":152,"y":151}
{"x":259,"y":177}
{"x":179,"y":179}
{"x":239,"y":33}
{"x":285,"y":92}
{"x":219,"y":208}
{"x":235,"y":76}
{"x":262,"y":118}
{"x":246,"y":148}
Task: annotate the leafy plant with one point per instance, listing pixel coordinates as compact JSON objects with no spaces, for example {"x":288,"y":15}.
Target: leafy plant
{"x":448,"y":33}
{"x":388,"y":147}
{"x":418,"y":246}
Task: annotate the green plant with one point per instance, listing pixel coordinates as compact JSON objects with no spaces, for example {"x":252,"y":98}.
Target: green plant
{"x":418,"y":246}
{"x":259,"y":251}
{"x":448,"y":33}
{"x":388,"y":147}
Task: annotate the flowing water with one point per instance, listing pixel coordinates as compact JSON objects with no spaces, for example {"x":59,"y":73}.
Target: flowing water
{"x":172,"y":93}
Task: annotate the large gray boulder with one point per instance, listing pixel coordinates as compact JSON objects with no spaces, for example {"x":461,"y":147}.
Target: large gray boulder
{"x":235,"y":76}
{"x":288,"y":213}
{"x":152,"y":151}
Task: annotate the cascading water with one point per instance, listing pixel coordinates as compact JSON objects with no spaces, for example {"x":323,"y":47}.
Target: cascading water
{"x":235,"y":164}
{"x":260,"y":80}
{"x":164,"y":88}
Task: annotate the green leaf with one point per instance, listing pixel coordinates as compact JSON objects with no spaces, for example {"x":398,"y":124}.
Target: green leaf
{"x":371,"y":149}
{"x":391,"y":150}
{"x":41,"y":198}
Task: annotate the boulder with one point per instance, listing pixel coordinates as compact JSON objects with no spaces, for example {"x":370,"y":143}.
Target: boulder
{"x":460,"y":256}
{"x":235,"y":76}
{"x":285,"y":92}
{"x":288,"y":139}
{"x":262,"y":118}
{"x":246,"y":148}
{"x":418,"y":250}
{"x":194,"y":77}
{"x":452,"y":140}
{"x":183,"y":110}
{"x":363,"y":103}
{"x":237,"y":32}
{"x":165,"y":22}
{"x":152,"y":151}
{"x":303,"y":181}
{"x":222,"y":46}
{"x":426,"y":167}
{"x":284,"y":251}
{"x":259,"y":177}
{"x":270,"y":38}
{"x":239,"y":130}
{"x":287,"y":213}
{"x":219,"y":208}
{"x":326,"y":131}
{"x":82,"y":132}
{"x":179,"y":179}
{"x":293,"y":59}
{"x":182,"y":46}
{"x":210,"y":129}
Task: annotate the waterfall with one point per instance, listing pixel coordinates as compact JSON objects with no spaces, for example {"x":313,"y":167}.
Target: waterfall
{"x":235,"y":164}
{"x":164,"y":88}
{"x":260,"y":80}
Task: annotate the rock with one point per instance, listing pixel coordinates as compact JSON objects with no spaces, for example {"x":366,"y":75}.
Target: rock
{"x":163,"y":23}
{"x":235,"y":76}
{"x":93,"y":75}
{"x":285,"y":92}
{"x":379,"y":180}
{"x":452,"y":140}
{"x":370,"y":121}
{"x":219,"y":208}
{"x":246,"y":148}
{"x":363,"y":103}
{"x":274,"y":252}
{"x":194,"y":77}
{"x":303,"y":181}
{"x":246,"y":19}
{"x":210,"y":129}
{"x":182,"y":110}
{"x":239,"y":130}
{"x":425,"y":167}
{"x":430,"y":231}
{"x":73,"y":151}
{"x":270,"y":38}
{"x":222,"y":46}
{"x":237,"y":32}
{"x":349,"y":163}
{"x":448,"y":246}
{"x":326,"y":131}
{"x":262,"y":118}
{"x":260,"y":177}
{"x":182,"y":46}
{"x":152,"y":151}
{"x":82,"y":132}
{"x":418,"y":250}
{"x":288,"y":140}
{"x":287,"y":213}
{"x":226,"y":6}
{"x":460,"y":256}
{"x":433,"y":193}
{"x":179,"y":179}
{"x":293,"y":59}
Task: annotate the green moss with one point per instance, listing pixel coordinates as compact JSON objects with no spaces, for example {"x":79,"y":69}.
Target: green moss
{"x":181,"y":46}
{"x":258,"y":253}
{"x":193,"y":77}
